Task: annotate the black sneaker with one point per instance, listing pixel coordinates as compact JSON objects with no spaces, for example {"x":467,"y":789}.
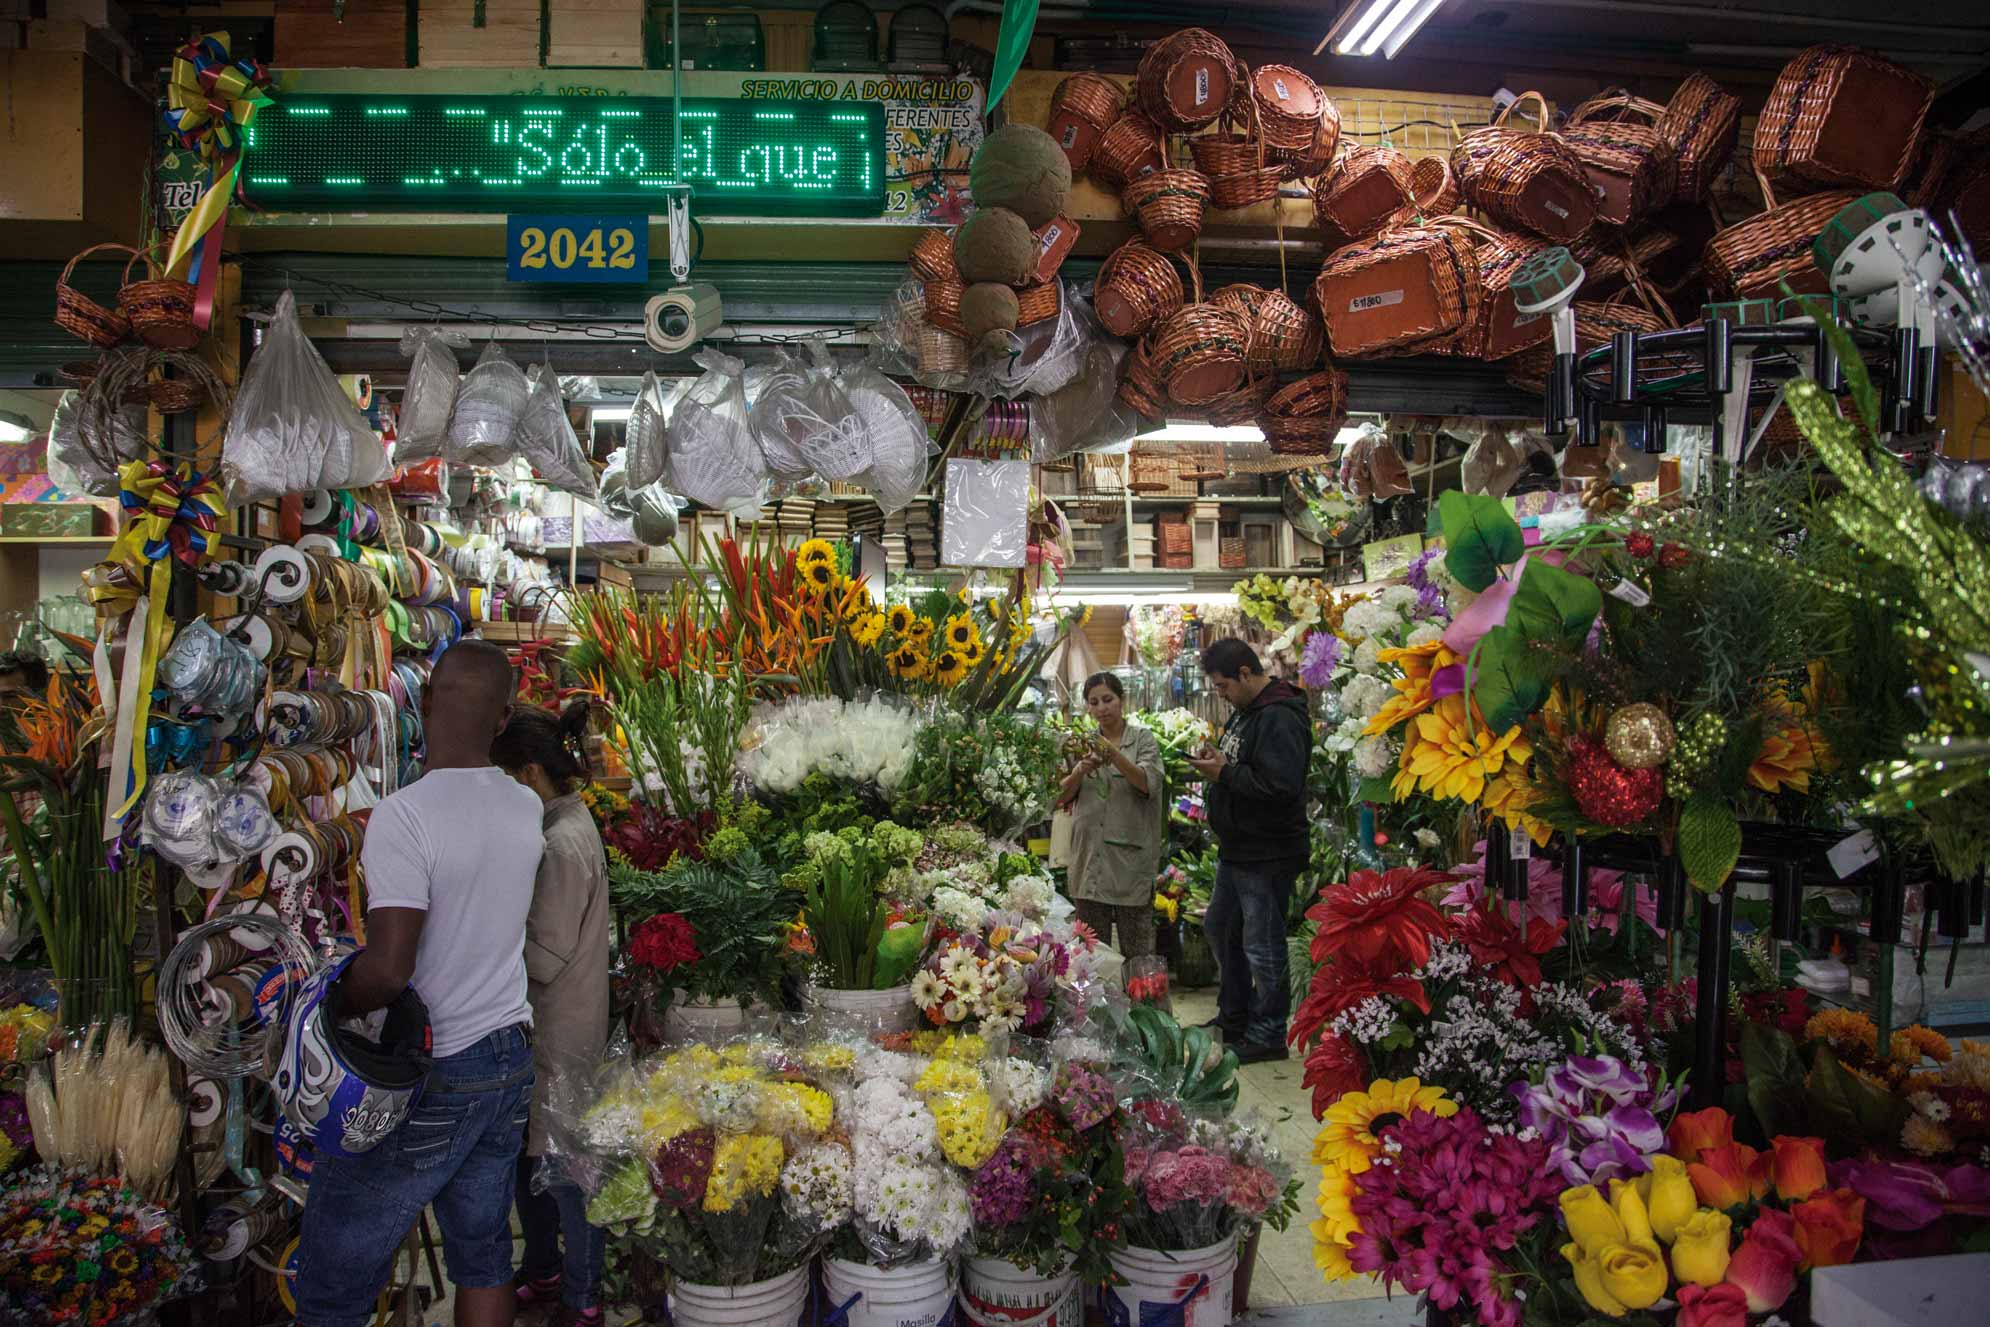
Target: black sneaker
{"x":1230,"y":1031}
{"x":1251,"y":1052}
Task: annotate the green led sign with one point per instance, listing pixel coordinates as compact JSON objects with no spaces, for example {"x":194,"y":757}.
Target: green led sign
{"x":345,"y":152}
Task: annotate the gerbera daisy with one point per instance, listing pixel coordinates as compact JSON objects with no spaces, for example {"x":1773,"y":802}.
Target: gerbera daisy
{"x":949,"y":668}
{"x":1350,"y":1139}
{"x":1452,"y":758}
{"x":906,"y":662}
{"x":1378,"y":913}
{"x":814,"y":551}
{"x":927,"y":989}
{"x":1413,"y":696}
{"x":961,"y":631}
{"x":899,"y":618}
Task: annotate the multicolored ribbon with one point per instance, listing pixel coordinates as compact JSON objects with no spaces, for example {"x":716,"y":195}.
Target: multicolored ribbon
{"x":209,"y":105}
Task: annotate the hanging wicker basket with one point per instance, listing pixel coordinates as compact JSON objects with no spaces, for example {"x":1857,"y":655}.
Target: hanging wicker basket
{"x":1229,"y":193}
{"x":1082,"y":108}
{"x":1433,"y":188}
{"x":1304,"y":417}
{"x":943,"y":296}
{"x":941,"y":352}
{"x":1289,"y":106}
{"x":1225,"y":153}
{"x":1841,"y":118}
{"x":1137,"y":287}
{"x":1138,"y":387}
{"x":1201,"y":352}
{"x":1366,"y":188}
{"x":1606,"y":255}
{"x":1397,"y":291}
{"x":1284,"y":337}
{"x":1168,"y":205}
{"x":159,"y":308}
{"x":81,"y":316}
{"x":1185,"y":80}
{"x":1316,"y":157}
{"x":1495,"y":327}
{"x":1129,"y":148}
{"x":1632,"y":166}
{"x":1234,"y":409}
{"x":933,"y":256}
{"x":1753,"y":259}
{"x":1595,"y":323}
{"x":1702,"y":123}
{"x":1530,"y":181}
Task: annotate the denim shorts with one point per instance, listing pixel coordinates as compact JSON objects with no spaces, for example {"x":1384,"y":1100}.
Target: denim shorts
{"x":458,"y":1151}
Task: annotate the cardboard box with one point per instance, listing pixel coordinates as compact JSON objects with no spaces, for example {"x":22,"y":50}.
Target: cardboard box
{"x":373,"y":34}
{"x":51,"y":520}
{"x":508,"y":37}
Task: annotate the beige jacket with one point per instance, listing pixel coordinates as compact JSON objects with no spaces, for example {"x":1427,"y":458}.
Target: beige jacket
{"x":1116,"y":834}
{"x":566,"y":956}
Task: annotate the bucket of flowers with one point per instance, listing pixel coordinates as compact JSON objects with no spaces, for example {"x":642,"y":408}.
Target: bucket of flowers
{"x":863,"y":922}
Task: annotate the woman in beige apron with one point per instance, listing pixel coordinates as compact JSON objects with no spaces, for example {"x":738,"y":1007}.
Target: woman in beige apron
{"x":1118,"y":812}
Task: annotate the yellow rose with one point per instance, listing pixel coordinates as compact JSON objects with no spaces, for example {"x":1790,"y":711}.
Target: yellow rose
{"x":1700,"y":1251}
{"x":1631,"y":1211}
{"x":1589,"y":1280}
{"x":1590,"y":1221}
{"x":1669,"y":1197}
{"x":1634,"y":1274}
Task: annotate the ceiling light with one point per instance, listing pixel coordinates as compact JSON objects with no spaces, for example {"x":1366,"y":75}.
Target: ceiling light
{"x":1368,"y":26}
{"x":612,"y":414}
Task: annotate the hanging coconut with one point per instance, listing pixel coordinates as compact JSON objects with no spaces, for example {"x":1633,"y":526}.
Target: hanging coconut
{"x":989,"y":307}
{"x":1021,"y":168}
{"x":995,"y":244}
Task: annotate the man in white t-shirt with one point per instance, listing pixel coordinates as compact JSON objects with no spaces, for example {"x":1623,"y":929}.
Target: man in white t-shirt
{"x":450,"y":862}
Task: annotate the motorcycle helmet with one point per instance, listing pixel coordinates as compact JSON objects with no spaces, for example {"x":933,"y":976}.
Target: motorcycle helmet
{"x":342,"y":1091}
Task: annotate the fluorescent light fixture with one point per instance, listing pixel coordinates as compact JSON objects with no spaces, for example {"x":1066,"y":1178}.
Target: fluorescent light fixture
{"x":612,"y":414}
{"x":1191,"y":432}
{"x":1368,"y":26}
{"x":12,"y":432}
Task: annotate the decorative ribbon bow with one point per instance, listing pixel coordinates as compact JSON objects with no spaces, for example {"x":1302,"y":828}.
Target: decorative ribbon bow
{"x":209,"y":104}
{"x":174,"y":511}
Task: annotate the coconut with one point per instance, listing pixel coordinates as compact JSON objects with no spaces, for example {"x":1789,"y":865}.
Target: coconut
{"x":1022,"y":168}
{"x":988,"y":307}
{"x":995,"y":244}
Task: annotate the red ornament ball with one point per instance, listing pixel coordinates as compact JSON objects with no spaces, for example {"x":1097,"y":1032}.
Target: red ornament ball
{"x":1672,"y":556}
{"x":1606,"y":792}
{"x":1640,"y":544}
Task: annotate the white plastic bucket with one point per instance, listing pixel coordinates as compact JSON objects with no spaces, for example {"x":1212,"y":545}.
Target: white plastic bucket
{"x":1189,"y":1289}
{"x":920,"y":1294}
{"x":876,"y":1011}
{"x":778,"y":1302}
{"x":996,"y":1293}
{"x":702,"y":1020}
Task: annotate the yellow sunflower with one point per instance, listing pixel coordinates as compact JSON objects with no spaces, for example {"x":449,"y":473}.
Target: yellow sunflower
{"x":920,"y":631}
{"x":1334,"y":1232}
{"x":1349,"y":1139}
{"x":866,"y":628}
{"x":961,"y":631}
{"x":814,"y":551}
{"x":949,"y":668}
{"x":819,"y":577}
{"x":1451,"y":762}
{"x":906,"y":662}
{"x":900,"y":619}
{"x":972,"y":653}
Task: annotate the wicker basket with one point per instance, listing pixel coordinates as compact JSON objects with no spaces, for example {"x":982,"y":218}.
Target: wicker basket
{"x":1237,"y":408}
{"x":1129,"y":148}
{"x":1496,"y":328}
{"x":1168,"y":205}
{"x":941,"y":352}
{"x":943,"y":304}
{"x":933,"y":256}
{"x":1200,"y":353}
{"x":1228,"y":193}
{"x":1317,"y":157}
{"x":1433,"y":188}
{"x":1529,"y":181}
{"x":1304,"y":417}
{"x":1753,"y":259}
{"x":1607,"y":255}
{"x":1957,"y":182}
{"x":1701,"y":122}
{"x":1230,"y":552}
{"x":1595,"y":323}
{"x":1137,"y":287}
{"x":1226,"y":153}
{"x":1633,"y":169}
{"x":1289,"y":106}
{"x":159,"y":308}
{"x":1240,"y":297}
{"x":1081,"y":110}
{"x":1840,"y":118}
{"x":1366,"y":188}
{"x":1036,"y":304}
{"x":1138,"y":387}
{"x":1185,"y":80}
{"x":81,"y":316}
{"x":1399,"y":290}
{"x":1284,"y":337}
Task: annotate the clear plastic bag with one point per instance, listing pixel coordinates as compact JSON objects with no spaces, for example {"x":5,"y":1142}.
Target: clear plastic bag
{"x":1082,"y":414}
{"x":75,"y":467}
{"x":426,"y":405}
{"x":547,"y":441}
{"x":294,"y":428}
{"x":646,"y":450}
{"x":1042,"y":357}
{"x":985,"y":520}
{"x":778,"y":415}
{"x":489,"y":405}
{"x":712,"y":456}
{"x":896,"y":435}
{"x":1491,"y":463}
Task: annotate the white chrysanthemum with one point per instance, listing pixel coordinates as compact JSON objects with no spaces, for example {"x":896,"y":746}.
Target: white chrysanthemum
{"x":817,"y":1186}
{"x":1368,"y":655}
{"x":1374,"y":757}
{"x":1029,"y":895}
{"x":1364,"y":696}
{"x":1423,"y":633}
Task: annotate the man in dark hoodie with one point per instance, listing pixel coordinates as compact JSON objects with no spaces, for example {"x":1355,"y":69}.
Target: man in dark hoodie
{"x":1255,"y":787}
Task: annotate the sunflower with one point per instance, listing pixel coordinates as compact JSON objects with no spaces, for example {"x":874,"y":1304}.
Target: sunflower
{"x":1334,"y":1232}
{"x":123,"y":1261}
{"x":920,"y":631}
{"x":1452,"y":758}
{"x":815,"y":551}
{"x":819,"y":576}
{"x":1349,"y":1139}
{"x":961,"y":631}
{"x":949,"y":668}
{"x":900,"y":619}
{"x":906,"y":662}
{"x":973,"y":653}
{"x":865,"y":628}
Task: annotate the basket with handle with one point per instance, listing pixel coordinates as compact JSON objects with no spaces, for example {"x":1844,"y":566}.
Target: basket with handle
{"x":933,"y":256}
{"x":1201,"y":353}
{"x":1753,"y":258}
{"x":1137,"y":287}
{"x":943,"y":296}
{"x":1288,"y":105}
{"x":1316,"y":157}
{"x":1702,"y":123}
{"x":1632,"y":167}
{"x":1305,"y":416}
{"x":1495,"y":328}
{"x":1239,"y":297}
{"x":1433,"y":188}
{"x":1528,"y":180}
{"x":1185,"y":80}
{"x":1082,"y":108}
{"x":1842,"y":118}
{"x":1129,"y":148}
{"x":1401,"y":289}
{"x":81,"y":316}
{"x":1229,"y":193}
{"x":1168,"y":205}
{"x":1138,"y":387}
{"x":159,"y":308}
{"x":1365,"y":189}
{"x":1233,"y":409}
{"x":1039,"y":303}
{"x":1607,"y":255}
{"x":1284,"y":337}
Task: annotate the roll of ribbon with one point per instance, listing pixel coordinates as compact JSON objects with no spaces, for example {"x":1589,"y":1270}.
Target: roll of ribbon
{"x":320,"y":507}
{"x":318,"y":542}
{"x":284,"y":574}
{"x":204,"y":1102}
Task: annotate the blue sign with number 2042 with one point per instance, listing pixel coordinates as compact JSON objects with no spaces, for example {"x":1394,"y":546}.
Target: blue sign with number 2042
{"x":570,"y":248}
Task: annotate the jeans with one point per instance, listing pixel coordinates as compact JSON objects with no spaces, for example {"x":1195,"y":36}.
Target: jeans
{"x":560,"y":1210}
{"x":458,"y":1151}
{"x":1245,"y":924}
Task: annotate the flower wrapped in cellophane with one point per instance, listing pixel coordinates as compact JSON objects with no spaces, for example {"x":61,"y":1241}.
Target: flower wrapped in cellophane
{"x":1003,"y":974}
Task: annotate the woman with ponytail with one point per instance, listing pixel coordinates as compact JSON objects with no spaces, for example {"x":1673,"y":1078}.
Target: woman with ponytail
{"x":566,"y":962}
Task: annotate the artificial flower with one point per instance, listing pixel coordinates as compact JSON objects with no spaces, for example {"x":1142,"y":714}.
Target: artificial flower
{"x":1694,"y":1131}
{"x":1765,"y":1265}
{"x":1669,"y":1197}
{"x":1701,"y":1248}
{"x":1374,"y":915}
{"x":1796,"y":1166}
{"x":1591,"y":1220}
{"x":1452,"y":756}
{"x":1712,"y":1306}
{"x":1352,"y":1123}
{"x":1504,"y":949}
{"x":1334,"y":1067}
{"x":1588,"y":1271}
{"x":1730,"y":1175}
{"x":960,"y":632}
{"x":1829,"y":1227}
{"x":663,"y":942}
{"x":818,"y":576}
{"x":1633,"y":1274}
{"x":1843,"y":1029}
